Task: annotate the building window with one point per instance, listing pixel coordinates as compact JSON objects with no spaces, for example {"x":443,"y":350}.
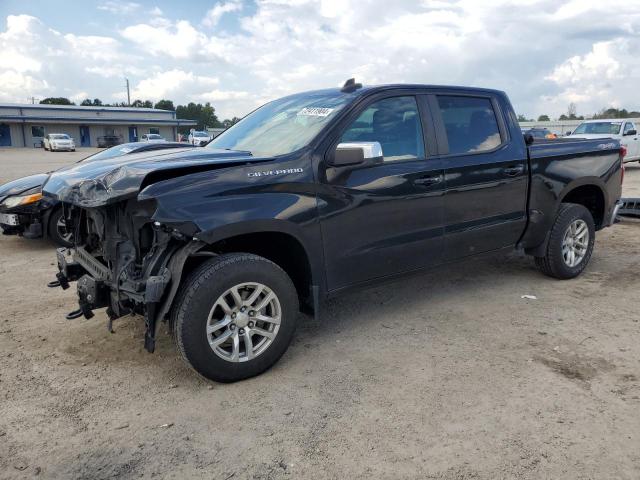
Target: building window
{"x":37,"y":131}
{"x":154,"y":130}
{"x":109,"y":131}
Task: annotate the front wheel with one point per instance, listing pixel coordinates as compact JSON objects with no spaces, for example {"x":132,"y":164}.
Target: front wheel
{"x":235,"y":316}
{"x":570,"y":244}
{"x":58,"y":230}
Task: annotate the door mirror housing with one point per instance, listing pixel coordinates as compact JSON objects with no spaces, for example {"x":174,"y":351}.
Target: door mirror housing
{"x":357,"y":153}
{"x":631,"y":132}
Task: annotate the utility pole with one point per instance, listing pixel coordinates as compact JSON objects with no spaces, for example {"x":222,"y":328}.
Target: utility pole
{"x":128,"y":94}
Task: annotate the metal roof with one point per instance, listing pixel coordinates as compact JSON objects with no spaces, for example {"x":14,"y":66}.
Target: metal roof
{"x":40,"y":106}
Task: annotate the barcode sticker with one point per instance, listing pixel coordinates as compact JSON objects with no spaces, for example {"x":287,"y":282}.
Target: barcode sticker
{"x":315,"y":111}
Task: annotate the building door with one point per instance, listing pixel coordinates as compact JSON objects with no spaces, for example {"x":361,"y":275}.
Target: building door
{"x":5,"y":136}
{"x":133,"y":134}
{"x":85,"y":139}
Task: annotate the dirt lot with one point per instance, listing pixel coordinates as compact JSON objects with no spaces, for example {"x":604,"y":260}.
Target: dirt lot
{"x":451,"y":375}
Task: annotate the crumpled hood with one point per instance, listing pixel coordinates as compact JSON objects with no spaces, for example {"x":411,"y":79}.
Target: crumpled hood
{"x":93,"y":184}
{"x":16,"y":187}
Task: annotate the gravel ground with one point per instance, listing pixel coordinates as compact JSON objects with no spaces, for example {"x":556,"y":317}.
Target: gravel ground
{"x":449,"y":375}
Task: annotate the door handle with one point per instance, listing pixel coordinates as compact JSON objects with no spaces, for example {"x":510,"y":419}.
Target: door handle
{"x":428,"y":180}
{"x":513,"y":171}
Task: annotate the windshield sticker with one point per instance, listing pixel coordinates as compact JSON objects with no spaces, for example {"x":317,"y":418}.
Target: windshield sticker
{"x":315,"y":111}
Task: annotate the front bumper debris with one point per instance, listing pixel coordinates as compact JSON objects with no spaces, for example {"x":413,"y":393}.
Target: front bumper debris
{"x":629,"y":207}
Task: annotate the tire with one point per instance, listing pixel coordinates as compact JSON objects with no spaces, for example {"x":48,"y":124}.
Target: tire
{"x":555,"y":264}
{"x":198,"y":300}
{"x":54,"y":232}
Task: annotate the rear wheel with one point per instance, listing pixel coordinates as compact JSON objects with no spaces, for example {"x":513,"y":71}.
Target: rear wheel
{"x":235,"y":316}
{"x":571,"y":243}
{"x":58,"y":230}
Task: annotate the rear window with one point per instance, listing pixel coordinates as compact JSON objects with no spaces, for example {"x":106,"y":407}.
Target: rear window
{"x":470,"y":123}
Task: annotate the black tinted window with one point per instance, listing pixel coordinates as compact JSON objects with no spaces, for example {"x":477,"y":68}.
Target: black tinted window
{"x":628,"y":126}
{"x":395,"y":123}
{"x":470,"y":123}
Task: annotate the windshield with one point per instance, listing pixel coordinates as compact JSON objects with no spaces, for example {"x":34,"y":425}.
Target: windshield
{"x":153,"y":136}
{"x":600,"y":128}
{"x":59,"y":136}
{"x":200,"y":134}
{"x":283,"y":126}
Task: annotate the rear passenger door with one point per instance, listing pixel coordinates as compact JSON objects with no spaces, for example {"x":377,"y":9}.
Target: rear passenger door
{"x":486,"y":174}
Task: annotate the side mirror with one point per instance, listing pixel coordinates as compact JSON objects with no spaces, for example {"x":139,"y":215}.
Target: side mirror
{"x":528,"y":139}
{"x":632,"y":132}
{"x":357,"y":153}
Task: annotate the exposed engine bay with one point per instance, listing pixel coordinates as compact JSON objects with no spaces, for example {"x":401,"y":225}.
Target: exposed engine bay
{"x":124,"y":261}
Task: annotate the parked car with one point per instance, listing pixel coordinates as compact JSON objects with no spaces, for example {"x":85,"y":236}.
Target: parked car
{"x":539,"y":133}
{"x":199,"y":138}
{"x":58,"y":141}
{"x":623,"y":130}
{"x":107,"y":141}
{"x":24,"y":212}
{"x":317,"y":194}
{"x":152,"y":138}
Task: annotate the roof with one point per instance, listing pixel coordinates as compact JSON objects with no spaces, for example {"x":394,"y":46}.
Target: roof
{"x":97,"y":121}
{"x":366,"y":89}
{"x":40,"y":106}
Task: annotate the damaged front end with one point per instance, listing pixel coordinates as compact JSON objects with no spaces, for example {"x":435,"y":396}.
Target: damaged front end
{"x":123,"y":261}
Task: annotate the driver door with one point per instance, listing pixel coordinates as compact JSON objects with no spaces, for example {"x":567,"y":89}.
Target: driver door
{"x":379,"y":220}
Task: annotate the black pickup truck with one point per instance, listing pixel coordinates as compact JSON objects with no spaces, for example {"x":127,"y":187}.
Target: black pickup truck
{"x":313,"y":195}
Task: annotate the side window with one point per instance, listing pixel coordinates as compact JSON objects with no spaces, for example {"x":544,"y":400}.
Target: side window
{"x":154,"y":130}
{"x":394,"y":123}
{"x":628,"y":126}
{"x":470,"y":123}
{"x":37,"y":131}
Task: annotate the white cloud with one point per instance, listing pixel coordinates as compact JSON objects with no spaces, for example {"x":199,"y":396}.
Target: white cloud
{"x":544,"y":53}
{"x":214,"y":15}
{"x":169,"y":83}
{"x":180,"y":41}
{"x":606,"y":76}
{"x":119,"y":7}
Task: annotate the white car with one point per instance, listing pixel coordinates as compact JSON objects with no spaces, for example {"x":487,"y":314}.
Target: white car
{"x":152,"y":138}
{"x":58,"y":141}
{"x":618,"y":128}
{"x":199,"y":138}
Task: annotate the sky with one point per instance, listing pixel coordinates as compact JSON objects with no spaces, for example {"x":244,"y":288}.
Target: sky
{"x":239,"y":54}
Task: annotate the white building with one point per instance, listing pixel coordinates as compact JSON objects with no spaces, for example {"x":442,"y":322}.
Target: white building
{"x":26,"y":125}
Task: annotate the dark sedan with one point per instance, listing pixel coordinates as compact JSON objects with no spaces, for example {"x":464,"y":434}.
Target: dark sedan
{"x":24,"y":212}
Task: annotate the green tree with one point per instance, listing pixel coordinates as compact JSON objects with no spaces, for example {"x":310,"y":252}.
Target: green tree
{"x":96,"y":102}
{"x":164,"y":105}
{"x":228,"y":123}
{"x":204,"y":115}
{"x":56,"y":101}
{"x":522,"y":118}
{"x":544,"y":118}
